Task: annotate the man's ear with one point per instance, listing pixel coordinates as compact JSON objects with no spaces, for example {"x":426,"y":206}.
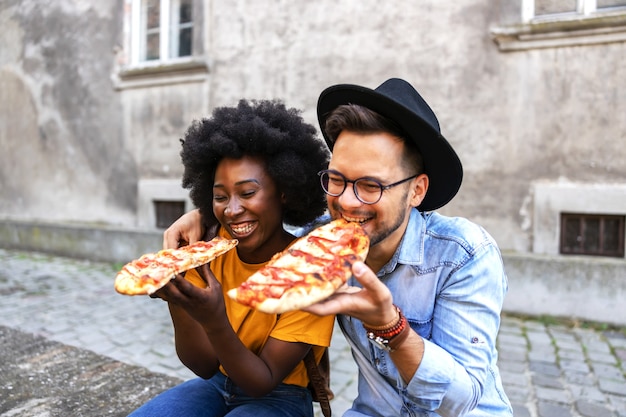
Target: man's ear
{"x":419,"y":186}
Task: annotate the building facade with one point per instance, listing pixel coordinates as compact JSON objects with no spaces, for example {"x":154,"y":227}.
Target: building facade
{"x":94,"y":97}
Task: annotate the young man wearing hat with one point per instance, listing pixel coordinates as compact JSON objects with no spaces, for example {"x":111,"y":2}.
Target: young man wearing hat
{"x":423,"y":325}
{"x":422,"y":314}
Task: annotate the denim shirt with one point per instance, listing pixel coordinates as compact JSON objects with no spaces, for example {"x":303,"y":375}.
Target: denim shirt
{"x":448,"y":278}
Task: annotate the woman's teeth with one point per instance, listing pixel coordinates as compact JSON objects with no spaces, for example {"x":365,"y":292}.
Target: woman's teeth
{"x":242,"y":229}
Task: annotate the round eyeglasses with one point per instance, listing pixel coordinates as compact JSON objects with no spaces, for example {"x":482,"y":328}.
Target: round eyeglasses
{"x":366,"y":190}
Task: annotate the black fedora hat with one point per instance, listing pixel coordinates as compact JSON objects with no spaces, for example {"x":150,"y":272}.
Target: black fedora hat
{"x":397,"y":100}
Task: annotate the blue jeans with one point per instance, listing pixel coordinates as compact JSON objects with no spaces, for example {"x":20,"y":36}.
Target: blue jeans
{"x":219,"y":397}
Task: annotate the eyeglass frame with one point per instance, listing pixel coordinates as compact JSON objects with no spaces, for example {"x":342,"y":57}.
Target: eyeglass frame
{"x":354,"y":188}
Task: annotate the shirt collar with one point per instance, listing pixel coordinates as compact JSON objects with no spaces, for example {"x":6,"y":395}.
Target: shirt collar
{"x":411,"y":248}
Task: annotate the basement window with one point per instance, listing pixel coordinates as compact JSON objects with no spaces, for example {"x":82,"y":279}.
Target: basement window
{"x":592,"y":234}
{"x":167,"y":212}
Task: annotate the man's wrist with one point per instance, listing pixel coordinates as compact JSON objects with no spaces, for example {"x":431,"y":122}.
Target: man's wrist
{"x":390,"y":336}
{"x":395,"y":342}
{"x":387,"y":325}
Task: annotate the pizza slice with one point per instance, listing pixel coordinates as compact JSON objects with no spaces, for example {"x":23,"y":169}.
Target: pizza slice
{"x":310,"y":270}
{"x":150,"y":272}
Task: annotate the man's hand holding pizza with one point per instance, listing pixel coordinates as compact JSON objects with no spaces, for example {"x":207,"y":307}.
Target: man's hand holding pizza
{"x":373,"y":305}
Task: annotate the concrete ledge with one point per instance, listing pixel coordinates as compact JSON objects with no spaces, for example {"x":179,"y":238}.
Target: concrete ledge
{"x":95,"y":242}
{"x":45,"y":378}
{"x":585,"y":288}
{"x":574,"y":287}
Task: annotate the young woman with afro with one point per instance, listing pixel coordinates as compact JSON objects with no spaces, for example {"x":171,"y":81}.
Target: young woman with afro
{"x":251,"y":169}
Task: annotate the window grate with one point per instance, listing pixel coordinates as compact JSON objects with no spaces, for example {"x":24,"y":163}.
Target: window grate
{"x":167,"y":212}
{"x":592,"y":234}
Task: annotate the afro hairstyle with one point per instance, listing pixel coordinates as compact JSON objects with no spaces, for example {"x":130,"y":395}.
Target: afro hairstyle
{"x":291,"y":149}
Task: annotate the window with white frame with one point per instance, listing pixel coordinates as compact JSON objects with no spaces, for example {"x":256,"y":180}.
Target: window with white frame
{"x":161,"y":30}
{"x":163,"y":43}
{"x":537,"y":9}
{"x":553,"y":23}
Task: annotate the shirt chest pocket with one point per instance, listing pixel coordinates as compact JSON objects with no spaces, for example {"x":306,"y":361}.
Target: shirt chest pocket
{"x":415,"y":293}
{"x":421,"y":326}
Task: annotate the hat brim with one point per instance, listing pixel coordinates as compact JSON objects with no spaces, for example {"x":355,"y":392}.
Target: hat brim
{"x":441,"y":163}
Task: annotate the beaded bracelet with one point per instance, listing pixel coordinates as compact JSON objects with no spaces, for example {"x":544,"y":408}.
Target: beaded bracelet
{"x":391,"y":330}
{"x":390,"y":336}
{"x":395,"y":320}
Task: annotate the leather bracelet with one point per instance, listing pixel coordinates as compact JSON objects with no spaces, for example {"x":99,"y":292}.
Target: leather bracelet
{"x":395,"y":342}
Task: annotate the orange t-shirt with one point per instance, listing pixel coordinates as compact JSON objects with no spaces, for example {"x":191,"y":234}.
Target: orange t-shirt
{"x":254,"y":327}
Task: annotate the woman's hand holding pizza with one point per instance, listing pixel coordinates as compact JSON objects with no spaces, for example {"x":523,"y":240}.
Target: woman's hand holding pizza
{"x":204,"y":305}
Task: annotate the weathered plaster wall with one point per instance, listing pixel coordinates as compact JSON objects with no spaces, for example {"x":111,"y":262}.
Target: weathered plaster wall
{"x":82,"y":142}
{"x":516,"y":118}
{"x":557,"y":115}
{"x":155,"y":120}
{"x":63,"y":153}
{"x":75,"y":146}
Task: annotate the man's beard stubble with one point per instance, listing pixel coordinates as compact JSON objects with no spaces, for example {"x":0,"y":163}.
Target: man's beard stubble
{"x":378,"y":236}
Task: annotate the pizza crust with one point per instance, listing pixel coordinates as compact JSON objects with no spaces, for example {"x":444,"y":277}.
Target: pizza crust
{"x":152,"y":271}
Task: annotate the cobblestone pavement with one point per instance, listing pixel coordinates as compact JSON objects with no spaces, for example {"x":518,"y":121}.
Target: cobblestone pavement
{"x":548,"y":370}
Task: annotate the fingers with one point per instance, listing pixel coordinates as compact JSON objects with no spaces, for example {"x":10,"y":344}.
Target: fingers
{"x":376,"y":302}
{"x":376,"y":289}
{"x":177,"y":291}
{"x":207,"y":275}
{"x":166,"y":293}
{"x":332,"y":305}
{"x":172,"y":238}
{"x":193,"y":226}
{"x":336,"y":303}
{"x":195,"y":235}
{"x":347,"y":289}
{"x":185,"y":230}
{"x":185,"y":288}
{"x":365,"y":303}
